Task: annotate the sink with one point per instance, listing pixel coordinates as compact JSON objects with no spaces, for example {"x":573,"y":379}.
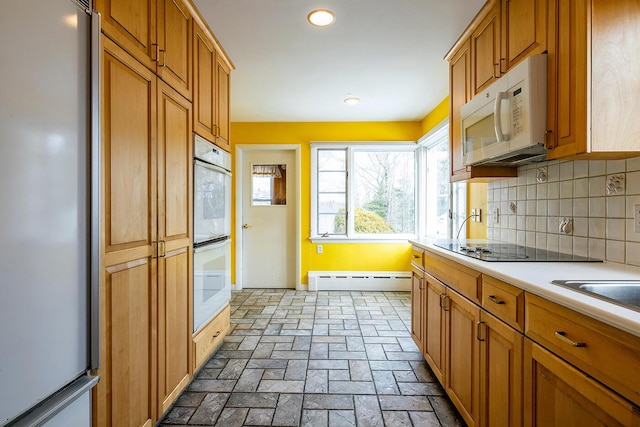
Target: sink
{"x":622,"y":292}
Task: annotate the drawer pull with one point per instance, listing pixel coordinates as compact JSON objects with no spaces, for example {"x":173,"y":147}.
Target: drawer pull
{"x":416,"y":256}
{"x":217,"y":334}
{"x":492,"y":298}
{"x":561,"y":335}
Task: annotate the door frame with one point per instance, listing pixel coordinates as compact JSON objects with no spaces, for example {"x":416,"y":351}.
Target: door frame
{"x":240,"y":150}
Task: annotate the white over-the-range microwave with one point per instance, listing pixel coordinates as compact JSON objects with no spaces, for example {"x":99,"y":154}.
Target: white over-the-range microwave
{"x":505,"y":124}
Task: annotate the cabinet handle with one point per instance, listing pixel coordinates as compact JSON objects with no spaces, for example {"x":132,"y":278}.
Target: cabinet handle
{"x":479,"y":326}
{"x":420,"y":283}
{"x":164,"y":58}
{"x":548,"y":142}
{"x":496,"y":65}
{"x":217,"y":334}
{"x":492,"y":298}
{"x":562,"y":336}
{"x":444,"y":302}
{"x":157,"y":58}
{"x":416,"y":256}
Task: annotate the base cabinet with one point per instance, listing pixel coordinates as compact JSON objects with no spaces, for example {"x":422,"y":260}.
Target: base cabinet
{"x":557,"y":394}
{"x":501,"y":349}
{"x":462,"y":349}
{"x":210,"y":337}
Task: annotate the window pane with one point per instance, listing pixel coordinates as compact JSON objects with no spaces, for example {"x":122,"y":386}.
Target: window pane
{"x":261,"y":191}
{"x":332,"y":159}
{"x":437,"y":189}
{"x":332,"y":224}
{"x":331,"y":203}
{"x":332,"y":182}
{"x":383,"y":192}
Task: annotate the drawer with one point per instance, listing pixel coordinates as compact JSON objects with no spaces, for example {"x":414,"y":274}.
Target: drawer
{"x":209,"y":337}
{"x":504,"y":301}
{"x":603,"y":352}
{"x":416,"y":256}
{"x":458,"y":277}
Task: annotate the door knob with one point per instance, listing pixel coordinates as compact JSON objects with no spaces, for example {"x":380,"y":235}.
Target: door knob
{"x":245,"y":226}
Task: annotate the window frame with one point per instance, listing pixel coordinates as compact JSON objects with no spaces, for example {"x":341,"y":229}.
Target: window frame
{"x":435,"y":136}
{"x":351,"y":147}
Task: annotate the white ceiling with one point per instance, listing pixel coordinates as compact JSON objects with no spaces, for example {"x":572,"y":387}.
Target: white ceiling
{"x":389,"y":53}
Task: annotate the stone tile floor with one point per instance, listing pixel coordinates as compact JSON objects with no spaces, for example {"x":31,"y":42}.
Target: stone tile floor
{"x":329,"y":358}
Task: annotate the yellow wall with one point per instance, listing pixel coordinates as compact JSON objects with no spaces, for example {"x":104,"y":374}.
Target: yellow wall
{"x":349,"y":256}
{"x":477,"y":198}
{"x":436,"y":116}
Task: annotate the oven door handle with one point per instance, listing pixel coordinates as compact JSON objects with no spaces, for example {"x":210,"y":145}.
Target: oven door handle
{"x":211,"y":167}
{"x":211,"y":246}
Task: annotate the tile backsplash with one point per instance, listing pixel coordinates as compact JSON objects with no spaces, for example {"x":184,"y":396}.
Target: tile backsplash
{"x":598,"y":199}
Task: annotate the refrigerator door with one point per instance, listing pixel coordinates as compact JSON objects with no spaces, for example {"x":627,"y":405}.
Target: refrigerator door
{"x":45,"y":193}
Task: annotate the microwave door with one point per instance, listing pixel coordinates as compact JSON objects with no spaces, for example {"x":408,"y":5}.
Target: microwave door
{"x":478,"y":131}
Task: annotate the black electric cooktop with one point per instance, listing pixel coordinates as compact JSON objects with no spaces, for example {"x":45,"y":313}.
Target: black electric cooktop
{"x":507,"y":252}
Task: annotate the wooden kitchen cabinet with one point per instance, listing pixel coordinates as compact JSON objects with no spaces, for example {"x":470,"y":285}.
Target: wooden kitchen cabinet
{"x":418,"y":310}
{"x":211,"y":82}
{"x":557,"y":394}
{"x":156,"y":32}
{"x":462,"y":355}
{"x":592,"y":57}
{"x":485,"y":50}
{"x":500,"y":353}
{"x":174,"y":159}
{"x":125,"y":394}
{"x":524,"y":31}
{"x":434,"y":329}
{"x":146,"y":164}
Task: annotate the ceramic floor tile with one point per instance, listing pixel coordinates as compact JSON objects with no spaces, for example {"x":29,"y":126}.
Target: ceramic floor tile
{"x":328,"y":358}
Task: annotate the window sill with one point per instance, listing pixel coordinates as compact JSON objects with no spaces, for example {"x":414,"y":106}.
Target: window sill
{"x":347,"y":240}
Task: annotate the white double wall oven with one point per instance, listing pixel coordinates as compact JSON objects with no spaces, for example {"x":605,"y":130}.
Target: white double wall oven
{"x":211,"y":231}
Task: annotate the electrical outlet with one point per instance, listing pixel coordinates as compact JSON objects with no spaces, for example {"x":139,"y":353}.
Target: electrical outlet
{"x":477,"y":215}
{"x":319,"y":249}
{"x":496,"y":216}
{"x":636,"y":219}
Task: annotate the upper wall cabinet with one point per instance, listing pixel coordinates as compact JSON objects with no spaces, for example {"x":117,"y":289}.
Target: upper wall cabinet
{"x":157,"y":33}
{"x":485,"y":50}
{"x":211,"y":85}
{"x":524,"y":30}
{"x":593,"y":81}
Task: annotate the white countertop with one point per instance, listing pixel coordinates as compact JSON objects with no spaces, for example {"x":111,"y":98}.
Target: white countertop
{"x":536,"y":277}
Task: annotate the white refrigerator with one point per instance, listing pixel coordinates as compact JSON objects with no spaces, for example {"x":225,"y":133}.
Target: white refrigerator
{"x":48,"y":217}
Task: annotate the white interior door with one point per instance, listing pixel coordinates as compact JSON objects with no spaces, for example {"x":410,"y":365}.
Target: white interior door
{"x":268,"y":219}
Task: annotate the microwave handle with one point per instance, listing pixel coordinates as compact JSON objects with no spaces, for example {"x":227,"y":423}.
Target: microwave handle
{"x":497,"y":114}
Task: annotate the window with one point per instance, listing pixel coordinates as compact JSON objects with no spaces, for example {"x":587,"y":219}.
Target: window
{"x":363,"y":191}
{"x":434,"y":186}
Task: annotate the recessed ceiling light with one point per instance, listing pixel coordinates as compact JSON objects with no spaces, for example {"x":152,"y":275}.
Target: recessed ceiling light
{"x":321,"y":17}
{"x":352,"y":100}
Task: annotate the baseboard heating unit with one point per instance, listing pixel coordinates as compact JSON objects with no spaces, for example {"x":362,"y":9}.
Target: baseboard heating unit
{"x":360,"y":281}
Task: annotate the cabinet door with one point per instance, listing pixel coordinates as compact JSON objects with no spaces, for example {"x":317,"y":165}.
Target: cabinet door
{"x":615,"y":76}
{"x":557,"y":394}
{"x":525,"y":30}
{"x":223,"y":89}
{"x":500,"y":373}
{"x":174,"y":339}
{"x":567,"y":78}
{"x":131,"y":24}
{"x":174,"y":38}
{"x":462,"y":349}
{"x":204,"y":83}
{"x":125,"y":394}
{"x":459,"y":94}
{"x":485,"y":50}
{"x":434,"y":326}
{"x":417,"y":308}
{"x":174,"y":265}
